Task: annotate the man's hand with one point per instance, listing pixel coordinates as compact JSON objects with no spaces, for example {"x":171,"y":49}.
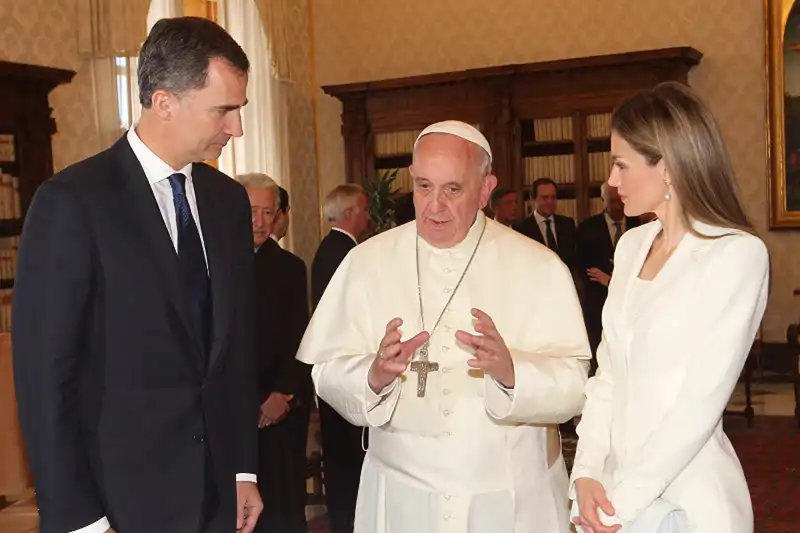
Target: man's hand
{"x":591,"y":495}
{"x":248,"y":506}
{"x":110,"y":530}
{"x":393,"y":356}
{"x":274,"y":409}
{"x":597,"y":275}
{"x":491,"y":354}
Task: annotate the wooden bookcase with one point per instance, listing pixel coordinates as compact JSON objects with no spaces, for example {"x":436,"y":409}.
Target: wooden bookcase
{"x":548,"y":119}
{"x":26,"y":157}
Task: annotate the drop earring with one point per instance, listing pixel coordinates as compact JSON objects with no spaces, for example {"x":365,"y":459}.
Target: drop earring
{"x":667,"y":196}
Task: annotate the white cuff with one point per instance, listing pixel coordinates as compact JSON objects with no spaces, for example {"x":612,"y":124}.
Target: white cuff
{"x":252,"y":478}
{"x":101,"y":526}
{"x":373,"y":400}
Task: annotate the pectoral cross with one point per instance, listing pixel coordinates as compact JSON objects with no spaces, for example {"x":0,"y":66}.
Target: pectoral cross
{"x":423,"y":367}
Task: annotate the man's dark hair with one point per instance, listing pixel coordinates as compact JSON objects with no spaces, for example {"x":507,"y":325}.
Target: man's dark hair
{"x":538,"y":183}
{"x":177,"y":52}
{"x":499,"y":193}
{"x":283,"y":200}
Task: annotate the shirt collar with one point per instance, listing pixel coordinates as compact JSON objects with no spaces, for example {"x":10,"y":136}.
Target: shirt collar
{"x":540,"y":219}
{"x":154,"y":167}
{"x":466,"y":246}
{"x":340,"y":230}
{"x":610,"y":221}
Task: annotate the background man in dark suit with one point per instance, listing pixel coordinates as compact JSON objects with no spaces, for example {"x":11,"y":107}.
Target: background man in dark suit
{"x":557,"y":232}
{"x":345,"y":209}
{"x":284,"y":384}
{"x":133,"y":340}
{"x":280,"y":226}
{"x":596,"y":239}
{"x":504,"y":206}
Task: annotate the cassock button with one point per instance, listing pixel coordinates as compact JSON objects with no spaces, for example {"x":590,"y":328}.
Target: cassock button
{"x":445,"y":348}
{"x":446,"y":369}
{"x":448,"y":516}
{"x":448,"y":434}
{"x":447,"y":270}
{"x":446,"y":392}
{"x":446,"y":412}
{"x":446,"y":496}
{"x":199,"y":439}
{"x":448,"y":291}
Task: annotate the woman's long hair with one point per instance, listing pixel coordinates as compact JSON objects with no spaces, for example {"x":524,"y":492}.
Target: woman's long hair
{"x":670,"y":122}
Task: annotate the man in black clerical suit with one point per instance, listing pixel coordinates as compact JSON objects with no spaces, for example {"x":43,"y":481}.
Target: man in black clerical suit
{"x":133,"y":344}
{"x":285,"y":389}
{"x":345,"y":209}
{"x":557,"y":232}
{"x":596,"y":239}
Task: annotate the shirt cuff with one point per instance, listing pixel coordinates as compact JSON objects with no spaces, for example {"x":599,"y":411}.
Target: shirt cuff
{"x":101,"y":526}
{"x":505,"y":389}
{"x":373,"y":400}
{"x":252,"y":478}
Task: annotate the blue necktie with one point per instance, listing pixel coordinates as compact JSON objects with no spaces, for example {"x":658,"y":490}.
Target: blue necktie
{"x":193,"y":271}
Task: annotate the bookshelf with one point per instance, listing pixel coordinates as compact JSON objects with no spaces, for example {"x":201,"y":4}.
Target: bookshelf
{"x":548,"y":119}
{"x":26,"y":158}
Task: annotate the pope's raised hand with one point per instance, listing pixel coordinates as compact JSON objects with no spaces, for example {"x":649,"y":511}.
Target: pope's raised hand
{"x":491,"y":354}
{"x":393,"y":356}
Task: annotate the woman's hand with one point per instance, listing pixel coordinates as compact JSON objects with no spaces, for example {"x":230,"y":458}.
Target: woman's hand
{"x":591,"y":495}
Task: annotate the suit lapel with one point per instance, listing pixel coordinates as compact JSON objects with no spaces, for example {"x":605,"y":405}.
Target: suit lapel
{"x":151,"y":231}
{"x":212,"y":221}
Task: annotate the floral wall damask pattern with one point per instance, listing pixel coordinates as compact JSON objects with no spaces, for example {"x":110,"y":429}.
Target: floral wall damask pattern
{"x":44,"y":32}
{"x":360,"y":41}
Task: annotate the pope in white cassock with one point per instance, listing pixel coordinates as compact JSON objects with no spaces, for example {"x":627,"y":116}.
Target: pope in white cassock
{"x":461,"y":344}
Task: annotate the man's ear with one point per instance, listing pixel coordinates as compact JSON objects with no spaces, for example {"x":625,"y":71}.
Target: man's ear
{"x":163,"y":103}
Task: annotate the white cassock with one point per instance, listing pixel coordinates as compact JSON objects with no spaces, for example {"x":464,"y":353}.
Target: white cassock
{"x":468,"y":457}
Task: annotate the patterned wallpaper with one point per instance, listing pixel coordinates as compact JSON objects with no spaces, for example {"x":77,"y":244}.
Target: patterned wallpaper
{"x":44,"y":32}
{"x":304,"y":223}
{"x":361,"y":40}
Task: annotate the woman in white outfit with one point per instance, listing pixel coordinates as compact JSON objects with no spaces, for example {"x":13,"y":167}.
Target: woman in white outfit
{"x":685,"y":301}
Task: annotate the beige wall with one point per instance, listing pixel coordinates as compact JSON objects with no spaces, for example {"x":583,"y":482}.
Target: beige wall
{"x":303,"y":162}
{"x":44,"y":32}
{"x":358,"y":41}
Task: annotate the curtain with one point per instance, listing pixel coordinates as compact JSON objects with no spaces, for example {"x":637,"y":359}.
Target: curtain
{"x":273,"y":16}
{"x":264,"y":145}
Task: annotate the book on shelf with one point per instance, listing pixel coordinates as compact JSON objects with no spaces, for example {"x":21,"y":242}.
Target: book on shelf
{"x":598,"y":126}
{"x":552,"y":129}
{"x":5,"y":309}
{"x":392,"y":143}
{"x":599,"y":166}
{"x":559,"y":168}
{"x":402,"y":182}
{"x":9,"y":197}
{"x":595,"y":205}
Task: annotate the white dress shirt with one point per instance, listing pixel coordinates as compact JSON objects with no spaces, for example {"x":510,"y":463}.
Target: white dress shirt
{"x":540,"y":221}
{"x":340,"y":230}
{"x":158,"y":172}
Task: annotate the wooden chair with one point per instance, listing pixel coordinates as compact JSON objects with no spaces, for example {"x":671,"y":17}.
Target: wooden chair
{"x":753,"y":361}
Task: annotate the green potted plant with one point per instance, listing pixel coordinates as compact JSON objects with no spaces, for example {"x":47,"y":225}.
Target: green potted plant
{"x":380,"y":201}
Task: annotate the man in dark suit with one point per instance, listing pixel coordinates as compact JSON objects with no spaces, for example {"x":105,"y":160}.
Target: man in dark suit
{"x":596,"y":239}
{"x":557,"y":232}
{"x":285,"y":389}
{"x":280,"y":226}
{"x":345,"y":209}
{"x":132,"y":323}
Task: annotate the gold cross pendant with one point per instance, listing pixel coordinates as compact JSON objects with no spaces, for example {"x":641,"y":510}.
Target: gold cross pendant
{"x":423,"y":367}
